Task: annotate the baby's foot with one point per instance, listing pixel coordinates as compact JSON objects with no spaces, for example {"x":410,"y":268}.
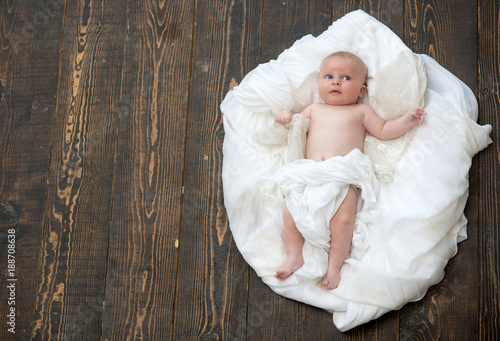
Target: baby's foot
{"x":291,"y":265}
{"x":331,"y":279}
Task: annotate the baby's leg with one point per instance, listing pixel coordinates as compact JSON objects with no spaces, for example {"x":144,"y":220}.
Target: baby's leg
{"x":341,"y":226}
{"x":294,"y":242}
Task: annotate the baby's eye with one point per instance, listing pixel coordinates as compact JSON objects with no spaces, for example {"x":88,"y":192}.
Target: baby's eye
{"x":346,"y":78}
{"x":329,"y":77}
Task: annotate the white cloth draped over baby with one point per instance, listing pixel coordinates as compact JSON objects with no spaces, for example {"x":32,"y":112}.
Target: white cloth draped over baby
{"x":408,"y":226}
{"x":314,"y":192}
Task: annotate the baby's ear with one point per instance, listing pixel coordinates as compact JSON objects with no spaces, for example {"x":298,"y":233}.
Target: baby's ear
{"x":362,"y":90}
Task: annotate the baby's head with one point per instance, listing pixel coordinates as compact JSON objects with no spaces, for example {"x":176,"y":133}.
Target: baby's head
{"x":342,"y":78}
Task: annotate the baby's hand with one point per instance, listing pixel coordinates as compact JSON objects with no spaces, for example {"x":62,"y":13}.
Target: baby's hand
{"x":415,"y":117}
{"x":283,"y":117}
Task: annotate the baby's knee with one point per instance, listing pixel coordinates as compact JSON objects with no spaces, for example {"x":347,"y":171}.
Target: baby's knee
{"x":343,"y":218}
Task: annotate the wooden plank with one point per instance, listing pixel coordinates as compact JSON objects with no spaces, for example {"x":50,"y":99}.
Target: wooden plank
{"x":286,"y":21}
{"x":2,"y":6}
{"x":153,"y":136}
{"x":390,"y":13}
{"x":489,"y":170}
{"x":213,"y":278}
{"x":142,"y":261}
{"x":447,"y":32}
{"x":77,"y":215}
{"x":28,"y":85}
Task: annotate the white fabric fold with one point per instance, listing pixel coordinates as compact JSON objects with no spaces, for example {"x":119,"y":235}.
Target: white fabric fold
{"x":407,"y":238}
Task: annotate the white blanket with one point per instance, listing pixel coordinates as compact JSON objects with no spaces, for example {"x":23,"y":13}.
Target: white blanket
{"x":410,"y":234}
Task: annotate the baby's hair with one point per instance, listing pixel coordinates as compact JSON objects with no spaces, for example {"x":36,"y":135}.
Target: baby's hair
{"x":348,"y":55}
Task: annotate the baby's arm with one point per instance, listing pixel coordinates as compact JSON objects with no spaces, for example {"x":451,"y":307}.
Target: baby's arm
{"x":387,"y":130}
{"x":285,"y":116}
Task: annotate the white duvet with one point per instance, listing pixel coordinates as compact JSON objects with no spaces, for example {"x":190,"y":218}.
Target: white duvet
{"x":403,"y":242}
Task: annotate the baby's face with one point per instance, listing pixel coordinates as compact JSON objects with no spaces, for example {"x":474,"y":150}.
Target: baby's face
{"x":341,"y":81}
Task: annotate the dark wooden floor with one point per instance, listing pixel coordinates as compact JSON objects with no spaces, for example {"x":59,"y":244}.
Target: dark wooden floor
{"x":110,"y":162}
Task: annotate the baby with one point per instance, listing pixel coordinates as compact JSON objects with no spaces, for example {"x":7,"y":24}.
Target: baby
{"x":338,"y":127}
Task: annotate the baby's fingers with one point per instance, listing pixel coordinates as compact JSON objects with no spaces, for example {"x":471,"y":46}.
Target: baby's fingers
{"x":283,"y":117}
{"x":420,"y":114}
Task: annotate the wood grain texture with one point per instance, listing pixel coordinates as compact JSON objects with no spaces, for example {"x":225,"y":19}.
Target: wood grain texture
{"x":390,"y":13}
{"x":446,"y":32}
{"x":274,"y":317}
{"x":2,"y":6}
{"x":142,"y":261}
{"x":77,"y":215}
{"x":488,"y":91}
{"x":212,"y":272}
{"x":29,"y":56}
{"x":284,"y":22}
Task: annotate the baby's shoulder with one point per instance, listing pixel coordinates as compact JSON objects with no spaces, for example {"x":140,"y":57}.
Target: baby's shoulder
{"x":312,"y":109}
{"x":362,"y":107}
{"x":316,"y":105}
{"x":319,"y":106}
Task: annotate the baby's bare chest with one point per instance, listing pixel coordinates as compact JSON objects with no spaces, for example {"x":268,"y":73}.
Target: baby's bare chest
{"x":336,"y":121}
